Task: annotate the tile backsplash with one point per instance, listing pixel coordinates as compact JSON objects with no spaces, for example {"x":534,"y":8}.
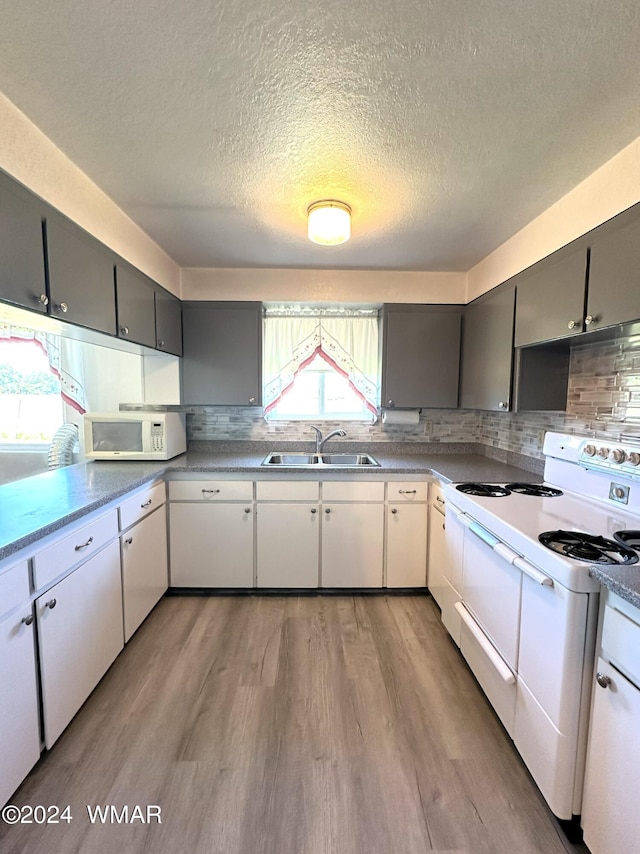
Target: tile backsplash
{"x":603,"y":396}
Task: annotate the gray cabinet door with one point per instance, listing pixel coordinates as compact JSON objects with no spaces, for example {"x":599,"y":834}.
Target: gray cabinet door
{"x":487,"y":351}
{"x":22,"y":276}
{"x":168,"y":322}
{"x":421,"y":355}
{"x":614,"y":274}
{"x":550,"y":297}
{"x":81,"y":280}
{"x":135,"y":299}
{"x":222,"y":353}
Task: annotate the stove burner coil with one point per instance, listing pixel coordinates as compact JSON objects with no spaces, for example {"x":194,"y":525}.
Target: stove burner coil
{"x":538,"y":489}
{"x":486,"y":490}
{"x":588,"y":547}
{"x":628,"y":538}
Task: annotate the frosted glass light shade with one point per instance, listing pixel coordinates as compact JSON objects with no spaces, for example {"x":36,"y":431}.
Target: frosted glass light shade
{"x":329,"y":222}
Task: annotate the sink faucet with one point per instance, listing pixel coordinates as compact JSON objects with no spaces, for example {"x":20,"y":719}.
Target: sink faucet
{"x":320,"y":441}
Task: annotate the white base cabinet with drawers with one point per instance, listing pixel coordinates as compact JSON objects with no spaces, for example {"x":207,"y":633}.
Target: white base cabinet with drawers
{"x":407,"y":523}
{"x":19,"y":721}
{"x":211,"y":533}
{"x":437,"y":543}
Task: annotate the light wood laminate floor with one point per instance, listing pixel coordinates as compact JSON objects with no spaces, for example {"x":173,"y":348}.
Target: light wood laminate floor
{"x":290,"y":725}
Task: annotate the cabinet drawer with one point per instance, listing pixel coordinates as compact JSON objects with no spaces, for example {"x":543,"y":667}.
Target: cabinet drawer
{"x":348,"y":490}
{"x":407,"y":491}
{"x":211,"y":490}
{"x":141,"y":504}
{"x":77,"y":545}
{"x":621,"y":642}
{"x":287,"y":490}
{"x":14,"y":587}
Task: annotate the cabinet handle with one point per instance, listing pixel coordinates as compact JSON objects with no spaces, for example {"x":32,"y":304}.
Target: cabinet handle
{"x":51,"y":604}
{"x":571,"y":324}
{"x":327,"y":511}
{"x":61,"y":306}
{"x":27,"y":620}
{"x":603,"y":680}
{"x":313,"y":510}
{"x":394,"y":511}
{"x":252,"y":400}
{"x":212,"y":491}
{"x":146,"y":504}
{"x":160,"y":343}
{"x":124,"y":330}
{"x":128,"y":541}
{"x":502,"y":405}
{"x":589,"y":319}
{"x":247,"y":509}
{"x":391,"y":403}
{"x":440,"y":500}
{"x":81,"y":546}
{"x":43,"y":299}
{"x":407,"y":491}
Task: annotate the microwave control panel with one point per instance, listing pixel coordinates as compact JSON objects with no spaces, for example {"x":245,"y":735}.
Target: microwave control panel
{"x":157,"y":436}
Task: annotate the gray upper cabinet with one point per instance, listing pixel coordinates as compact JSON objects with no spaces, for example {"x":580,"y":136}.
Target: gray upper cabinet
{"x":168,"y":322}
{"x":550,"y":299}
{"x":22,"y":275}
{"x":487,"y":351}
{"x":81,"y":276}
{"x":222,"y":357}
{"x":420,"y":355}
{"x":135,"y":296}
{"x":614,"y":273}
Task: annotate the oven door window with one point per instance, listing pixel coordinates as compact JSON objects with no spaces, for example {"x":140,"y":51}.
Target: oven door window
{"x":122,"y":436}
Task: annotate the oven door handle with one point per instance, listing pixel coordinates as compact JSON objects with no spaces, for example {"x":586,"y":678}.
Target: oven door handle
{"x":503,"y":671}
{"x":532,"y":572}
{"x":483,"y":535}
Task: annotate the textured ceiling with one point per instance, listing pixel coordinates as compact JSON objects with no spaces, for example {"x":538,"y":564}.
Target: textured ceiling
{"x":447,"y":125}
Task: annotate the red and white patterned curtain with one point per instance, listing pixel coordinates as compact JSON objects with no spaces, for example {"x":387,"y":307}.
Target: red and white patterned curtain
{"x":349,"y":344}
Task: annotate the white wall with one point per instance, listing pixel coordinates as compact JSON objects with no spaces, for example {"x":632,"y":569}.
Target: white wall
{"x":348,"y":286}
{"x":31,"y":158}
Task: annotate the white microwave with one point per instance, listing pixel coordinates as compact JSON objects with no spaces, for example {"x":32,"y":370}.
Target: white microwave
{"x":134,"y":435}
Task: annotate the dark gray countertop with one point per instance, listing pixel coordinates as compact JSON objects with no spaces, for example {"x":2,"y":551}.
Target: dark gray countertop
{"x":623,"y":580}
{"x":37,"y":506}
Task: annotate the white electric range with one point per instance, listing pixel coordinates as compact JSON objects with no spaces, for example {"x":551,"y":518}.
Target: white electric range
{"x":521,"y":605}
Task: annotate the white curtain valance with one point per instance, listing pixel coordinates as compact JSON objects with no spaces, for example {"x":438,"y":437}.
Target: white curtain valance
{"x":65,"y":361}
{"x":348,"y":344}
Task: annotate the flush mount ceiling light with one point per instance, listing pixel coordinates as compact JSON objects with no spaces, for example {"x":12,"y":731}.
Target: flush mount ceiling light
{"x":329,"y":222}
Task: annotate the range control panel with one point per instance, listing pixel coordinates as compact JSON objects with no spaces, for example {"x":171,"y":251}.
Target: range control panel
{"x":613,"y":456}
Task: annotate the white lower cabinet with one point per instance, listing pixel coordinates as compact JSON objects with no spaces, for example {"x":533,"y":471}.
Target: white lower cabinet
{"x":79,"y":635}
{"x":352,"y":545}
{"x":406,"y":545}
{"x":610,"y":815}
{"x":144,"y":568}
{"x":19,"y":721}
{"x":288,"y":545}
{"x":436,"y":544}
{"x":211,"y":544}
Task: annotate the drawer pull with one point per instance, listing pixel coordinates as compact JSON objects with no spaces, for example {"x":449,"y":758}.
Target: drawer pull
{"x":128,"y":541}
{"x":211,"y":491}
{"x":503,"y":671}
{"x":439,"y":500}
{"x":81,"y":546}
{"x":27,"y":620}
{"x":146,"y":504}
{"x":407,"y":491}
{"x":51,"y":604}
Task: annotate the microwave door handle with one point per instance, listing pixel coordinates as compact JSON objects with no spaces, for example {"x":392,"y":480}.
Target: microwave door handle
{"x":532,"y":572}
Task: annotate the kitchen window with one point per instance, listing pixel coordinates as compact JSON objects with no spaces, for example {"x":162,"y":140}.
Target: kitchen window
{"x":321,"y":364}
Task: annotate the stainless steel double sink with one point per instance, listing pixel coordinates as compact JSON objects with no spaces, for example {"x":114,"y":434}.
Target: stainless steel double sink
{"x":319,"y":460}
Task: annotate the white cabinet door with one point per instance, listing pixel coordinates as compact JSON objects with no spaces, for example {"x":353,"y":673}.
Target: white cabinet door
{"x":288,"y":545}
{"x":211,"y":545}
{"x":610,"y":815}
{"x":437,"y":554}
{"x":19,"y":724}
{"x":80,"y":634}
{"x":144,"y":568}
{"x":407,"y":545}
{"x":352,"y":543}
